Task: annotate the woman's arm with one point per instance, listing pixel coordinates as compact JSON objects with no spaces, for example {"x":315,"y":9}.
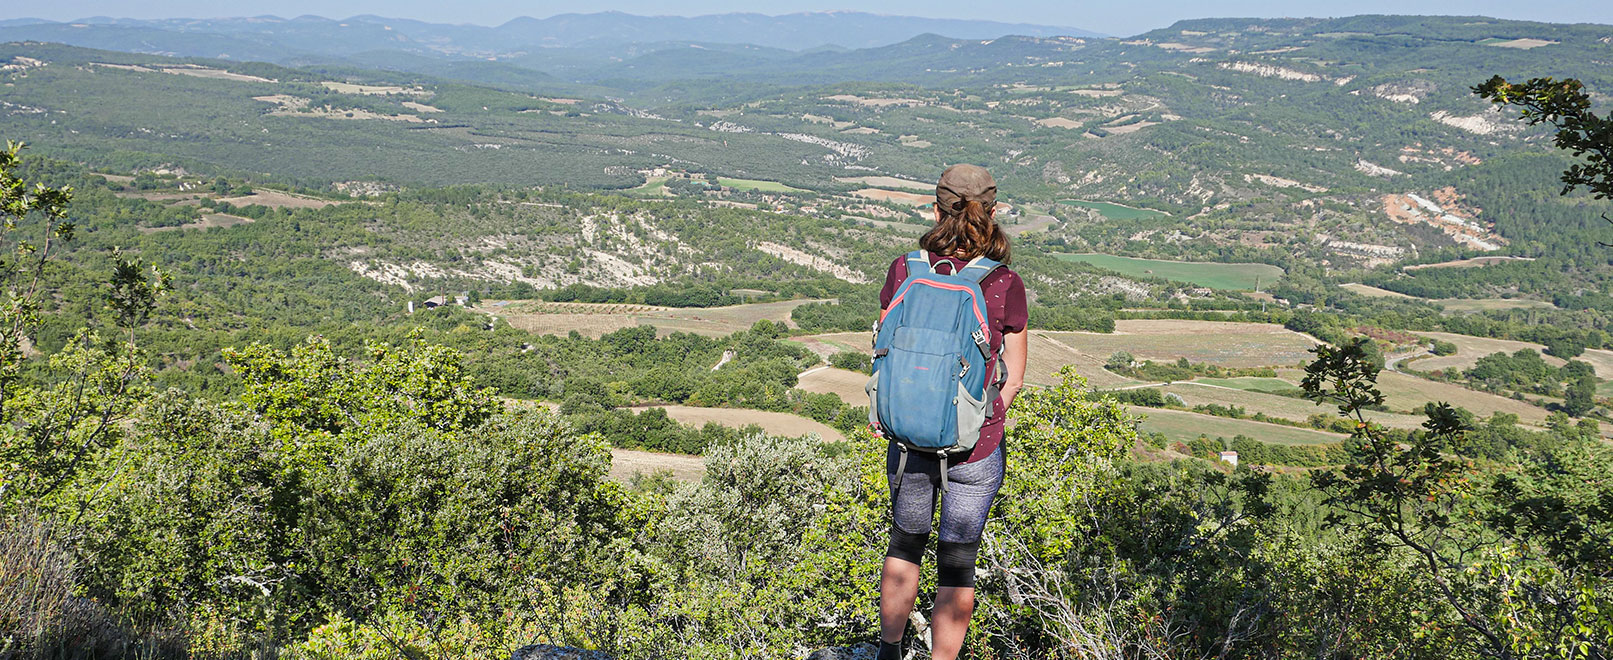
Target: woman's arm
{"x":1014,"y":346}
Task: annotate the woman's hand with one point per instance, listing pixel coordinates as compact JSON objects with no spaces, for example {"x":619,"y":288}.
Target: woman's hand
{"x":1014,"y":347}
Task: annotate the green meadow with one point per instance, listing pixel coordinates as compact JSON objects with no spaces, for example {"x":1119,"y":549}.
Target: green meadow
{"x":1114,"y":211}
{"x":1236,"y":277}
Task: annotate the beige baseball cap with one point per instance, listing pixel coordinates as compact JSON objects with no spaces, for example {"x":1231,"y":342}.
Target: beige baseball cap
{"x":965,"y":182}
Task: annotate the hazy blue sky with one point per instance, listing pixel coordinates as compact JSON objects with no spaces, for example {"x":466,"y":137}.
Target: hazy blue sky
{"x":1117,"y":18}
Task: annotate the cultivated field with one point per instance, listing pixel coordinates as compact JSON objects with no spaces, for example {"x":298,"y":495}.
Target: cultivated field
{"x":1470,"y":349}
{"x":277,"y":199}
{"x":207,"y":221}
{"x":1029,"y":223}
{"x":1251,"y":383}
{"x":1047,"y":354}
{"x":911,"y":199}
{"x":1451,"y":305}
{"x":756,"y":184}
{"x":1470,"y":305}
{"x":888,"y":182}
{"x":1049,"y":351}
{"x":1114,"y":211}
{"x":1185,"y":426}
{"x":1208,"y":274}
{"x":593,"y":320}
{"x":1223,"y":343}
{"x":774,"y":423}
{"x":1469,"y":263}
{"x":624,"y":463}
{"x":1277,"y":406}
{"x":1374,"y":292}
{"x":829,"y":343}
{"x":846,"y":384}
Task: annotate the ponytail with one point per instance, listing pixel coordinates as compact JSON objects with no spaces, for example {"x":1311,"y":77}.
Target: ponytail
{"x":966,"y":231}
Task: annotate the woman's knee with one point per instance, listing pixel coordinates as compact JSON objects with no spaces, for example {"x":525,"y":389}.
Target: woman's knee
{"x":955,"y":563}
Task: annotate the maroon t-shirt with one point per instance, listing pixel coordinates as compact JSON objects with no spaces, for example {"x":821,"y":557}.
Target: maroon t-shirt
{"x":1005,"y":311}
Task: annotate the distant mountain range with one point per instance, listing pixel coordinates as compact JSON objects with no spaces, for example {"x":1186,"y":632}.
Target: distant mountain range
{"x":274,"y":39}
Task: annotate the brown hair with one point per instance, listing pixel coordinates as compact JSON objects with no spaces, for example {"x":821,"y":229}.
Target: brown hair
{"x":967,"y":233}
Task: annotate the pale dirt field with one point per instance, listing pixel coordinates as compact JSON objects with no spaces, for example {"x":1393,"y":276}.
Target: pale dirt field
{"x":217,"y":74}
{"x":1130,"y":128}
{"x":874,"y":102}
{"x":1046,"y":355}
{"x":1029,"y":224}
{"x":1059,"y":122}
{"x":1374,"y":292}
{"x":208,"y":220}
{"x":829,"y":343}
{"x":913,"y":199}
{"x":594,"y":320}
{"x":1470,"y":349}
{"x":888,"y":182}
{"x":1407,"y":392}
{"x":377,"y":90}
{"x":420,"y":107}
{"x":1224,"y":343}
{"x":1469,"y":263}
{"x":846,"y":384}
{"x":1278,"y":406}
{"x":624,"y":463}
{"x":1180,"y":425}
{"x":774,"y":423}
{"x":277,"y":199}
{"x":1522,"y":44}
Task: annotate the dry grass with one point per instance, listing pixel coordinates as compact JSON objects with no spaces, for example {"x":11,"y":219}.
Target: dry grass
{"x":624,"y":463}
{"x":39,"y":615}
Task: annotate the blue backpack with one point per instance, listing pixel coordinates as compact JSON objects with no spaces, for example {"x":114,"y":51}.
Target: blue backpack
{"x":932,"y":346}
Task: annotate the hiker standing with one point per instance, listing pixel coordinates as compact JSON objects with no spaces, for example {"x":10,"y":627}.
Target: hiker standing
{"x":949,"y":356}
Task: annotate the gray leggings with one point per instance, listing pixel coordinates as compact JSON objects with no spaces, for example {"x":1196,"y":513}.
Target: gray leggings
{"x":971,"y":488}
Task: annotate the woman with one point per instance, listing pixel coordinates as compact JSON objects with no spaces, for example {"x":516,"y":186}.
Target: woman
{"x":965,"y":227}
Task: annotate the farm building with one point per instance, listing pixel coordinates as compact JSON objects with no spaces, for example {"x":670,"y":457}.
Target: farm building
{"x":1231,"y":457}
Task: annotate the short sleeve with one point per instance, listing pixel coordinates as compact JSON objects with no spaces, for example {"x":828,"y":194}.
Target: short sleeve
{"x":1015,"y":312}
{"x":893,"y":280}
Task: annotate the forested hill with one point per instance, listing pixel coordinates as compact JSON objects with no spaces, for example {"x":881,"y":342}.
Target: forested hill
{"x":278,"y":39}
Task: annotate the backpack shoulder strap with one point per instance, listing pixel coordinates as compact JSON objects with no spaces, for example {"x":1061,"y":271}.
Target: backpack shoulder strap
{"x":978,"y":268}
{"x":919,"y":259}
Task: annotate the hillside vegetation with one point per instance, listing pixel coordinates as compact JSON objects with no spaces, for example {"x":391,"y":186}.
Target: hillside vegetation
{"x":327,"y":354}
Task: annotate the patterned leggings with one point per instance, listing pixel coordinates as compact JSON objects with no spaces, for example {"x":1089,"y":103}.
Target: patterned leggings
{"x":971,"y":488}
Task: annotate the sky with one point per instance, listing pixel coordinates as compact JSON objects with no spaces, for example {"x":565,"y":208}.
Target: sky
{"x":1106,"y":16}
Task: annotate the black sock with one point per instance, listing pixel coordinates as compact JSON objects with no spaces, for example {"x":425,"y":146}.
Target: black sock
{"x":889,"y":651}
